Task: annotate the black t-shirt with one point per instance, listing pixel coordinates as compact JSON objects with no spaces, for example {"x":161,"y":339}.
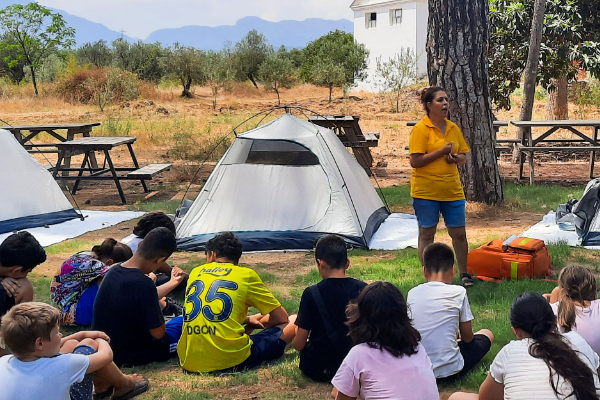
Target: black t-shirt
{"x":320,"y":360}
{"x":126,"y":308}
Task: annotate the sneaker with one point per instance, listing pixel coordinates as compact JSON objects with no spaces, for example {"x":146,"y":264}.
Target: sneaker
{"x":173,"y":308}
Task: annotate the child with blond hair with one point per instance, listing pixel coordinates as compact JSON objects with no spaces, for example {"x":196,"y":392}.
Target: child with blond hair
{"x":44,"y":365}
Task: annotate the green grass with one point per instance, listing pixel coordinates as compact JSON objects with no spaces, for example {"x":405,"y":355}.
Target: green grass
{"x":520,"y":197}
{"x":70,"y":246}
{"x":168,"y":206}
{"x":539,"y":198}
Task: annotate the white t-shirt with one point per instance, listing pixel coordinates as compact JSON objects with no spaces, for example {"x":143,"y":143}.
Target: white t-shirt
{"x":436,"y":309}
{"x":525,"y":377}
{"x":373,"y":374}
{"x":587,"y":323}
{"x":132,"y":241}
{"x":46,"y":378}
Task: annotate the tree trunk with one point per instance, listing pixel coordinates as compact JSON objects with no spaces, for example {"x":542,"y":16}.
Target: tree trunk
{"x":531,"y":68}
{"x":35,"y":88}
{"x":252,"y":80}
{"x":278,"y":98}
{"x":457,"y":48}
{"x":187,"y":86}
{"x":557,"y":103}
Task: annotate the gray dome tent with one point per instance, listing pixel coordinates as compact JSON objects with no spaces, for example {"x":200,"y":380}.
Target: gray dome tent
{"x":282,"y":186}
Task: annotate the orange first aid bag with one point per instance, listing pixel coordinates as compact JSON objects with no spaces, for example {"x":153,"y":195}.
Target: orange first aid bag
{"x":520,"y":258}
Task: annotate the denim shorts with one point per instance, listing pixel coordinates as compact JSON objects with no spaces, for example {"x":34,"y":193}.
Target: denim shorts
{"x":428,"y":212}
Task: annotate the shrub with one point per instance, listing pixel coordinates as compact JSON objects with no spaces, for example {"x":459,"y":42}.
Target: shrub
{"x":99,"y":86}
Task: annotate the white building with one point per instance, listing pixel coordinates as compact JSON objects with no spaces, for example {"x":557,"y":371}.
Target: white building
{"x":385,"y":26}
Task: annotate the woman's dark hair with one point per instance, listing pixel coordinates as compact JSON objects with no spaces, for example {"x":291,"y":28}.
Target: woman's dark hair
{"x":153,"y":220}
{"x":379,"y":318}
{"x":428,"y":95}
{"x":576,"y":284}
{"x":110,"y":249}
{"x":226,"y":245}
{"x":532,"y":314}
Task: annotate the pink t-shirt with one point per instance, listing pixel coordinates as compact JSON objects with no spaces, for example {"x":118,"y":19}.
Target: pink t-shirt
{"x":587,"y":323}
{"x":373,"y":374}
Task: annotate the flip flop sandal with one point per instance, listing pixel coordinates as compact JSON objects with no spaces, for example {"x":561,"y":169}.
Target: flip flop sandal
{"x":467,"y":279}
{"x":139,"y":388}
{"x":103,"y":395}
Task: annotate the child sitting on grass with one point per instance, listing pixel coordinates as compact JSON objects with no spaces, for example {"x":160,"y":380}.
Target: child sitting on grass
{"x":127,"y":306}
{"x":541,"y":364}
{"x":217,"y":329}
{"x":322,"y":337}
{"x":20,"y":253}
{"x":576,"y":305}
{"x":387,"y":361}
{"x":76,"y":285}
{"x":441,"y":313}
{"x":147,"y":223}
{"x":44,"y":365}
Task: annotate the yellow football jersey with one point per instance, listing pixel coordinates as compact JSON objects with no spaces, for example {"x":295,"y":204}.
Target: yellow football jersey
{"x":216,"y":304}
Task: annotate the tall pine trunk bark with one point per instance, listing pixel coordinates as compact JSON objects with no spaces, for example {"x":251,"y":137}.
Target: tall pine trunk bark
{"x":457,"y":48}
{"x":557,"y":101}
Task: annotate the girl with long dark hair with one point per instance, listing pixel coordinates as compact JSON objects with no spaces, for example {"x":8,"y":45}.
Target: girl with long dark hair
{"x":542,"y":364}
{"x":387,"y":360}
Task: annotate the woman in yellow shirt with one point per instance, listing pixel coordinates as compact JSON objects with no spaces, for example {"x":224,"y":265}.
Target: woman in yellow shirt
{"x":437,"y":147}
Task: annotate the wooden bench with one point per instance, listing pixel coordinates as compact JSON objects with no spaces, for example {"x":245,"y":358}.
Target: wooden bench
{"x":149,"y":171}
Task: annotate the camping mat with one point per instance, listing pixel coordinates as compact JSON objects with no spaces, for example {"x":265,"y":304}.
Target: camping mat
{"x":548,"y":231}
{"x":94,"y":220}
{"x":397,"y":232}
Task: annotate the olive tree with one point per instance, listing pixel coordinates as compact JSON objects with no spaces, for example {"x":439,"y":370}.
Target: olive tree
{"x":277,"y":72}
{"x":33,"y":32}
{"x":397,"y":73}
{"x":335,"y":60}
{"x":187,"y":65}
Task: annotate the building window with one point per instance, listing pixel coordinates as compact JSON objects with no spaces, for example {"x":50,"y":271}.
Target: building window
{"x":371,"y":20}
{"x":396,"y":16}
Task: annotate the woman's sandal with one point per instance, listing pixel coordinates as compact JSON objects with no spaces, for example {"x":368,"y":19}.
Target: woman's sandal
{"x":139,"y":388}
{"x":467,"y":279}
{"x":103,"y":395}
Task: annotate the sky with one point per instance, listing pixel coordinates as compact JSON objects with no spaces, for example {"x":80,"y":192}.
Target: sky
{"x":138,"y":18}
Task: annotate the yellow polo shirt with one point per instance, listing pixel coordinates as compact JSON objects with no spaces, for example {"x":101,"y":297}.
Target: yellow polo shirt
{"x":216,"y":304}
{"x":438,"y":180}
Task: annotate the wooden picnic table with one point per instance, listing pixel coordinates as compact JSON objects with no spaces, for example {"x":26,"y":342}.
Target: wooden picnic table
{"x":351,"y":135}
{"x":87,"y":146}
{"x":53,"y":130}
{"x":529,"y":144}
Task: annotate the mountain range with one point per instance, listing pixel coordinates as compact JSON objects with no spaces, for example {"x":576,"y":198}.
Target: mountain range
{"x":291,"y":34}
